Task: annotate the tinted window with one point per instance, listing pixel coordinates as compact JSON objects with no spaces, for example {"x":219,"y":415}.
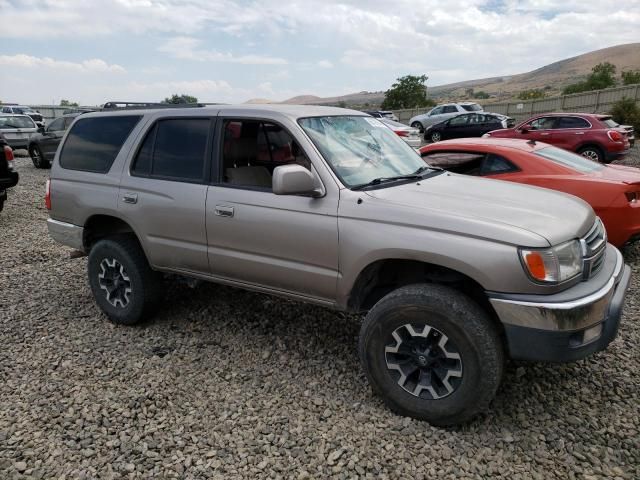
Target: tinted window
{"x":569,"y":159}
{"x":57,"y":124}
{"x":436,"y":111}
{"x":93,"y":143}
{"x":496,"y":164}
{"x":179,"y":149}
{"x":142,"y":163}
{"x":253,"y":149}
{"x":466,"y":163}
{"x":449,"y":109}
{"x":474,"y":107}
{"x":458,"y":121}
{"x":572,"y":122}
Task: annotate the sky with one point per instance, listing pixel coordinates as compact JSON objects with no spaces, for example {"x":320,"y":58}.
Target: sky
{"x":232,"y":51}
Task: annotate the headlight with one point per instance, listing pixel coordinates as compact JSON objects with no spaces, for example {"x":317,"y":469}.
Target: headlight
{"x":555,"y":264}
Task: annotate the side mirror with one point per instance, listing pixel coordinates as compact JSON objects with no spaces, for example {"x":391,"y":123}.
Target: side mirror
{"x":41,"y":130}
{"x":294,"y":180}
{"x":526,"y":128}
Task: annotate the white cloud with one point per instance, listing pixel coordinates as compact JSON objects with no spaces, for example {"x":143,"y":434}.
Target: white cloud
{"x":93,"y":65}
{"x":324,"y":64}
{"x":187,"y":48}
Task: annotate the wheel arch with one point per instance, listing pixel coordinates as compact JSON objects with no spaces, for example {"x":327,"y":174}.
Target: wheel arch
{"x":99,"y":226}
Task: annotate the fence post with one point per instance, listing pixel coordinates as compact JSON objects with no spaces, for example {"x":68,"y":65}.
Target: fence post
{"x":562,"y":103}
{"x":597,"y":101}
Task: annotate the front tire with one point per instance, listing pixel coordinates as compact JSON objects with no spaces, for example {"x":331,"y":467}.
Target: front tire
{"x":123,"y":284}
{"x":37,"y":158}
{"x":418,"y":125}
{"x":432,"y":353}
{"x":435,"y":137}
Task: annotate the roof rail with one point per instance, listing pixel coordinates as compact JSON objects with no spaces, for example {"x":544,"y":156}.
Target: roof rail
{"x":113,"y":105}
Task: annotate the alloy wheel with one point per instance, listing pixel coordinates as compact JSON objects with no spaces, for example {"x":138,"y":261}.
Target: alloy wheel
{"x":113,"y":279}
{"x":435,"y":137}
{"x":591,"y":155}
{"x":424,"y":361}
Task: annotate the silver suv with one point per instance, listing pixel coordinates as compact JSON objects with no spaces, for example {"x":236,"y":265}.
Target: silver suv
{"x":441,"y":113}
{"x":325,"y":205}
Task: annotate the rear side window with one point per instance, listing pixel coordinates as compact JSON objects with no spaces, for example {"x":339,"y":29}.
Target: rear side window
{"x":472,"y":107}
{"x":449,"y":109}
{"x":174,"y":149}
{"x":572,"y":122}
{"x":93,"y":143}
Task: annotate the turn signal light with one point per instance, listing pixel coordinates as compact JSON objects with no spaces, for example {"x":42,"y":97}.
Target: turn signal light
{"x":8,"y":153}
{"x":535,"y":264}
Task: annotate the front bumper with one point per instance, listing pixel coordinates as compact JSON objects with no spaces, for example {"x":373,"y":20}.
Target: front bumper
{"x":66,"y":234}
{"x":568,"y":330}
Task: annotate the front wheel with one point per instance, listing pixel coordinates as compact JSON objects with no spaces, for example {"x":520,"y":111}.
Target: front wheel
{"x":37,"y":158}
{"x":432,"y":353}
{"x":435,"y":137}
{"x":418,"y":125}
{"x":123,"y":284}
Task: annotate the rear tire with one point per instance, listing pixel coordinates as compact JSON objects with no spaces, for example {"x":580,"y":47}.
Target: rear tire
{"x":123,"y":284}
{"x":37,"y":158}
{"x":592,"y":153}
{"x":445,"y":367}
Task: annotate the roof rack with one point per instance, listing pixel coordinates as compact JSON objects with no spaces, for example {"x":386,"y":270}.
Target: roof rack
{"x":113,"y":105}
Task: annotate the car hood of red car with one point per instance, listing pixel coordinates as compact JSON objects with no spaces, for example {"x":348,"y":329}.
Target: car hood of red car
{"x":618,"y":173}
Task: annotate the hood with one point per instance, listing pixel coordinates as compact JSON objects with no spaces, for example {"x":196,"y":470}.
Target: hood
{"x":505,"y":212}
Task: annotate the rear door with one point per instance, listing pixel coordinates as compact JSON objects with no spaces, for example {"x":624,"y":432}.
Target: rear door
{"x":569,"y":132}
{"x":285,"y":243}
{"x":163,"y":193}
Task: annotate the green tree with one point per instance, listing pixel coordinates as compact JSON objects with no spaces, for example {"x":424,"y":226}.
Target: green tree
{"x":603,"y":75}
{"x":409,"y":91}
{"x":67,"y":103}
{"x":176,"y":99}
{"x":531,"y":94}
{"x":626,"y":112}
{"x":342,"y":104}
{"x":481,"y":95}
{"x":630,"y":77}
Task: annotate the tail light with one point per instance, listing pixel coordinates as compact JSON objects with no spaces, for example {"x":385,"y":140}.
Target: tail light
{"x":402,"y":133}
{"x":615,"y":136}
{"x":47,"y":195}
{"x":632,"y":197}
{"x":8,"y":153}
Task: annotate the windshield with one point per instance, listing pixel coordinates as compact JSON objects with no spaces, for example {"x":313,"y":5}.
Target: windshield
{"x":569,"y":159}
{"x":472,"y":107}
{"x":16,"y":122}
{"x":361,"y":149}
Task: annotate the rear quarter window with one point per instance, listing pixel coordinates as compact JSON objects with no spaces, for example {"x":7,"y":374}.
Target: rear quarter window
{"x":93,"y":143}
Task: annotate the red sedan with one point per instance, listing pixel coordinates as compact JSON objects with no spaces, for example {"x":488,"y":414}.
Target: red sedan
{"x":612,"y":190}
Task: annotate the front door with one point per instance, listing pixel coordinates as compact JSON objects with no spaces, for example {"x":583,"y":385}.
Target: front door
{"x":285,"y":243}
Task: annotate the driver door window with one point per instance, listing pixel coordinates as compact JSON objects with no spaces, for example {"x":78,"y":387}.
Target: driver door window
{"x":543,"y":123}
{"x":436,"y":111}
{"x":56,"y":126}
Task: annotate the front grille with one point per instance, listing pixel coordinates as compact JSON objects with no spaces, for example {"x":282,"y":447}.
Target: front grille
{"x":594,"y":246}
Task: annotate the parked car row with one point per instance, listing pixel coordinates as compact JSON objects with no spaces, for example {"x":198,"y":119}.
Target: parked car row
{"x":24,"y":110}
{"x":454,"y":273}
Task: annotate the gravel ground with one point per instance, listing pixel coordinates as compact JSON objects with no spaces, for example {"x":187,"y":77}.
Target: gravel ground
{"x":231,"y":384}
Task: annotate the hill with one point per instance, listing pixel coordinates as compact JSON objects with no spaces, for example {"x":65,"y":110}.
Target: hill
{"x":553,"y":77}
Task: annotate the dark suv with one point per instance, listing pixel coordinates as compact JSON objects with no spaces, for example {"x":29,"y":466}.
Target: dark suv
{"x":8,"y":177}
{"x":597,"y":137}
{"x":43,"y":146}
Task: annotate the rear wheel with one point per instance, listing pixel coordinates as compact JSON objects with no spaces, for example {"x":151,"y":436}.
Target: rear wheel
{"x":432,"y":353}
{"x":37,"y":158}
{"x":123,"y":284}
{"x":592,"y":153}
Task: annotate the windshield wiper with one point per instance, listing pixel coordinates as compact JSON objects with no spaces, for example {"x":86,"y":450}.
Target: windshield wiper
{"x":417,"y":175}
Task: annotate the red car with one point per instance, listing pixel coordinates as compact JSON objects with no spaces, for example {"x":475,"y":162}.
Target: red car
{"x":612,"y":190}
{"x":597,"y":137}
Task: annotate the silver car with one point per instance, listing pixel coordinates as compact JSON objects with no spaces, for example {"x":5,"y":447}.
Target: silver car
{"x":325,"y":205}
{"x":441,"y":113}
{"x":17,"y":129}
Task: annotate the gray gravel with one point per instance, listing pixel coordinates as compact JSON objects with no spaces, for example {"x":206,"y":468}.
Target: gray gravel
{"x":231,"y":384}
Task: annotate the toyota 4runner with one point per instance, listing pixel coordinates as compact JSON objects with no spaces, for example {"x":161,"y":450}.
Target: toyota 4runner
{"x":329,"y":206}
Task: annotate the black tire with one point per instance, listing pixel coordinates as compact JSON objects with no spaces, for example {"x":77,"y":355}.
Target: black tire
{"x":1,"y":204}
{"x":418,"y":125}
{"x":592,"y":153}
{"x":144,"y":285}
{"x":469,"y":331}
{"x":435,"y":137}
{"x":37,"y":158}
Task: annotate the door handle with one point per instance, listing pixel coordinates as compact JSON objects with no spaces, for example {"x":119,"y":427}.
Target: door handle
{"x":579,"y":133}
{"x":223,"y":211}
{"x":544,"y":134}
{"x":130,"y":198}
